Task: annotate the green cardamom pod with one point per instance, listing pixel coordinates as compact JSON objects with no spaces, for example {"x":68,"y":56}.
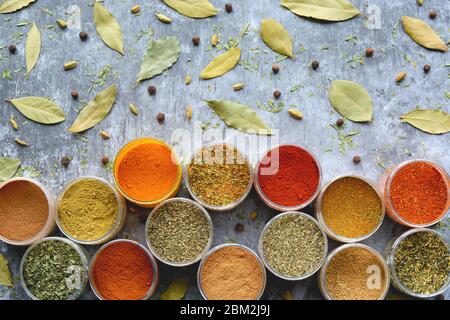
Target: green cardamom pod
{"x":61,"y":23}
{"x":295,"y":114}
{"x":163,"y":18}
{"x":70,"y":65}
{"x":136,"y":9}
{"x":400,"y":77}
{"x":238,"y":86}
{"x":13,"y":124}
{"x":134,"y":109}
{"x":20,"y":142}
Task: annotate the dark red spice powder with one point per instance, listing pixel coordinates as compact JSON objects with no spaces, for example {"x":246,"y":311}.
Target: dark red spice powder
{"x":296,"y":179}
{"x":418,"y":193}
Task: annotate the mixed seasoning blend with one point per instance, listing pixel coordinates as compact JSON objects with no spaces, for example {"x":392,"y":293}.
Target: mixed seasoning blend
{"x":219,"y":175}
{"x":88,"y":209}
{"x":422,"y":262}
{"x":293,"y":245}
{"x":355,"y":273}
{"x":53,"y":270}
{"x":178,"y":231}
{"x":351,"y":207}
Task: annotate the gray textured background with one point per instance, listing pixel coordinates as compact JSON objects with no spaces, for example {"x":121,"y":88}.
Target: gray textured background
{"x":383,"y":141}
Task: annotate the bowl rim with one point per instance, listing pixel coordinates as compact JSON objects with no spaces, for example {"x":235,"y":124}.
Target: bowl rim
{"x":261,"y":248}
{"x":277,"y":206}
{"x":224,"y":245}
{"x":121,"y":214}
{"x":387,"y":191}
{"x":205,"y":250}
{"x":84,"y":256}
{"x":47,"y":228}
{"x":154,"y":264}
{"x":323,"y":271}
{"x":319,"y":214}
{"x":231,"y":205}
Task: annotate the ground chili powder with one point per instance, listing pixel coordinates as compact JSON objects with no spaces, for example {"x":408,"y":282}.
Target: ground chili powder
{"x":418,"y":193}
{"x":123,"y":271}
{"x":294,"y":178}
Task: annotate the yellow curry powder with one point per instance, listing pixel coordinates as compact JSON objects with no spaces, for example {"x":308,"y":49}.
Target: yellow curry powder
{"x":88,"y":209}
{"x":351,"y":207}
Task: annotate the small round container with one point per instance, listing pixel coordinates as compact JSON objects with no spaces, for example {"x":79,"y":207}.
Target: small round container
{"x":48,"y":227}
{"x":277,"y":206}
{"x":266,"y":263}
{"x":84,"y":255}
{"x":181,"y":264}
{"x":121,"y":154}
{"x":155,"y":279}
{"x":323,"y":270}
{"x":390,"y":253}
{"x":120,"y":219}
{"x":333,"y":235}
{"x":205,"y":258}
{"x":214,"y":207}
{"x":385,"y":183}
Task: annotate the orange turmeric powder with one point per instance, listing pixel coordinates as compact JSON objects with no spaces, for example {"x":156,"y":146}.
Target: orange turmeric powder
{"x":146,"y":172}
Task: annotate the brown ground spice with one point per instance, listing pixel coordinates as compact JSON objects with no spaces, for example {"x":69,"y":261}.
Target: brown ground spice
{"x":232,"y":273}
{"x":23,"y":210}
{"x":347,"y":275}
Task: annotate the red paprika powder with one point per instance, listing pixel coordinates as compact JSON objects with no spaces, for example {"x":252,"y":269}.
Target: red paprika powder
{"x":289,"y":176}
{"x":418,"y":193}
{"x":122,"y":271}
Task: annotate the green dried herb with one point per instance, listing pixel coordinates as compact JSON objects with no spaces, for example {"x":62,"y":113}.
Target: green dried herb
{"x":421,"y":262}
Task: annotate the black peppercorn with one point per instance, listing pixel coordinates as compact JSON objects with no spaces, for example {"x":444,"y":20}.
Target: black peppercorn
{"x":105,"y":160}
{"x":12,"y":48}
{"x":433,"y":14}
{"x":369,"y":52}
{"x":196,"y":40}
{"x":160,"y":117}
{"x":83,"y":35}
{"x":228,"y":7}
{"x":426,"y":68}
{"x":275,"y":68}
{"x":65,"y":161}
{"x":340,"y":122}
{"x":239,"y":227}
{"x":74,"y":94}
{"x":356,"y":159}
{"x":151,"y":90}
{"x":315,"y":64}
{"x":277,"y":94}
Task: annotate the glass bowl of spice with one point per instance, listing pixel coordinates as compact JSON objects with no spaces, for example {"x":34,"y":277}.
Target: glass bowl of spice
{"x":27,"y":211}
{"x":419,"y":263}
{"x":179,"y":232}
{"x":147,"y":171}
{"x":350,"y":208}
{"x":354,"y":272}
{"x":219,"y":177}
{"x":417,"y":193}
{"x":288,"y":178}
{"x":231,"y":271}
{"x":54,"y":268}
{"x":293,"y":245}
{"x":90,"y":210}
{"x":123,"y":270}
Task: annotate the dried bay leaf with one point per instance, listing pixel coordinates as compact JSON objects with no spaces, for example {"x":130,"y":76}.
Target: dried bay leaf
{"x":38,"y":109}
{"x":32,"y":47}
{"x":176,"y":290}
{"x":95,"y":111}
{"x":9,"y":6}
{"x":160,"y":56}
{"x":239,"y":116}
{"x":221,"y":64}
{"x":193,"y":8}
{"x":430,"y":121}
{"x":351,"y":100}
{"x":330,"y":10}
{"x":8,"y":168}
{"x":108,"y":28}
{"x":5,"y":274}
{"x":423,"y":34}
{"x":276,"y":37}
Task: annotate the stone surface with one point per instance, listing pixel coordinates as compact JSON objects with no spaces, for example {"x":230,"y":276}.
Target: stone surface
{"x":385,"y":140}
